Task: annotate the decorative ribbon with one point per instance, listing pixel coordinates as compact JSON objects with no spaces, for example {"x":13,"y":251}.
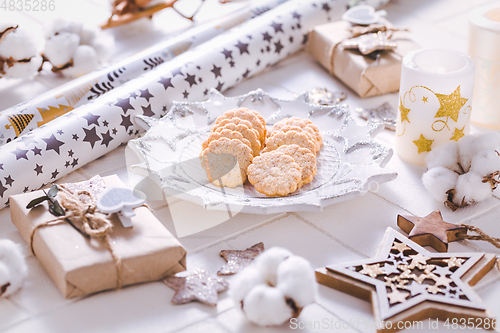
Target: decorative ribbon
{"x":80,"y":206}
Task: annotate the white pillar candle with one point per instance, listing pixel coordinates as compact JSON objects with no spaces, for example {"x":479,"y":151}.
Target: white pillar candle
{"x":435,"y":98}
{"x":484,"y":48}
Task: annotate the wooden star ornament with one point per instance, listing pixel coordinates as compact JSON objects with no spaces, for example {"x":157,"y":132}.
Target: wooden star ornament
{"x":196,"y":286}
{"x":237,"y":260}
{"x":407,"y":283}
{"x":431,"y":230}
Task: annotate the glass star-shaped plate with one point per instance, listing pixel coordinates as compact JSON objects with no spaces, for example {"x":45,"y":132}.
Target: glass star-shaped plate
{"x":349,"y":163}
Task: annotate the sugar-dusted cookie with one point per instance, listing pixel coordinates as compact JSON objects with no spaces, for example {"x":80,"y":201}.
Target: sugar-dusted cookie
{"x":305,"y":124}
{"x":248,"y":133}
{"x":262,"y":120}
{"x":245,"y":114}
{"x":225,"y":133}
{"x":289,"y":138}
{"x":226,"y":161}
{"x":302,"y":157}
{"x":311,"y":136}
{"x":236,"y":121}
{"x":274,"y":174}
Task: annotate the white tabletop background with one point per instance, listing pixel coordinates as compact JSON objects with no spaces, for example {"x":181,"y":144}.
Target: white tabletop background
{"x":344,"y":232}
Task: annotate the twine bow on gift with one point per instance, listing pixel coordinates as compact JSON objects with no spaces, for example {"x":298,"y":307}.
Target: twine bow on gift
{"x":79,"y":206}
{"x":371,"y":38}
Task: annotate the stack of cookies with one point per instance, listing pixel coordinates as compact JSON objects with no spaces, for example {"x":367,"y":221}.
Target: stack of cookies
{"x":287,"y":162}
{"x":238,"y":136}
{"x":289,"y":159}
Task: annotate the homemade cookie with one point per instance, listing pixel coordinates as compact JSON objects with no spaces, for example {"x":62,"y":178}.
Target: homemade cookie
{"x":225,"y":133}
{"x":302,"y":157}
{"x":248,"y":133}
{"x":274,"y":174}
{"x":289,"y":138}
{"x":245,"y":114}
{"x":305,"y":124}
{"x":262,"y":120}
{"x":288,"y":128}
{"x":226,"y":161}
{"x":236,"y":121}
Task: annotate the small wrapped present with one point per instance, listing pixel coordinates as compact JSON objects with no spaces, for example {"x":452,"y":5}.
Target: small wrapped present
{"x":366,"y":58}
{"x":91,"y":251}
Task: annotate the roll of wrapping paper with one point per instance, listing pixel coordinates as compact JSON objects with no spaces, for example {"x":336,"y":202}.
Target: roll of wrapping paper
{"x":484,"y":48}
{"x":92,"y":130}
{"x":22,"y":118}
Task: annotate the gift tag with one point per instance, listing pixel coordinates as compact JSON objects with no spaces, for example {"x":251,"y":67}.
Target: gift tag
{"x":121,"y":201}
{"x":363,"y":15}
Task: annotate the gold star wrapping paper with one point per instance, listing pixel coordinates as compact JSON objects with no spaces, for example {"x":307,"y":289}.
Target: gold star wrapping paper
{"x":405,"y":282}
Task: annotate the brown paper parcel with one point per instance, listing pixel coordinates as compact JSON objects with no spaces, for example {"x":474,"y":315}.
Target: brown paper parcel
{"x":81,"y":266}
{"x":367,"y":75}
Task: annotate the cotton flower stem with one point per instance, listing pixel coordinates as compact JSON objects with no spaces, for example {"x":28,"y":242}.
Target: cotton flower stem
{"x":493,"y":178}
{"x":7,"y":31}
{"x":449,"y":202}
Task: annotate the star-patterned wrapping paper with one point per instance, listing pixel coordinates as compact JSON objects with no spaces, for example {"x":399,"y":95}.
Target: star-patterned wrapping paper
{"x":24,"y":117}
{"x":79,"y":137}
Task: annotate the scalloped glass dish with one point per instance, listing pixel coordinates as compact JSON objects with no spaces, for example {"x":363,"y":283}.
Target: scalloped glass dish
{"x":349,"y":162}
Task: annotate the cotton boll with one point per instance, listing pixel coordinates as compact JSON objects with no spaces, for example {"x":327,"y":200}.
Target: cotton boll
{"x":266,"y":306}
{"x":84,"y":61}
{"x":61,"y":25}
{"x":489,"y":140}
{"x":470,"y":189}
{"x":24,"y":70}
{"x":13,"y":267}
{"x":486,"y":161}
{"x":268,"y":262}
{"x":467,"y":148}
{"x":438,"y":181}
{"x":445,"y":155}
{"x":19,"y":44}
{"x":5,"y":25}
{"x":59,"y":49}
{"x":103,"y":46}
{"x":88,"y":34}
{"x":297,"y":280}
{"x":243,"y":282}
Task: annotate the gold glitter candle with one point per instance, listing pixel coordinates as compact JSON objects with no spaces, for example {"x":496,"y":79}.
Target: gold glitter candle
{"x":484,"y":48}
{"x":435,"y":99}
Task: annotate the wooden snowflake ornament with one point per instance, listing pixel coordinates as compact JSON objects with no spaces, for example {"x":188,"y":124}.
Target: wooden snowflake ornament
{"x":405,"y":282}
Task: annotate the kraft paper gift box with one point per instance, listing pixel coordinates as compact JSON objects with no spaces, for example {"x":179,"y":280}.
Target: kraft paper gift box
{"x":368,"y":75}
{"x":80,"y":266}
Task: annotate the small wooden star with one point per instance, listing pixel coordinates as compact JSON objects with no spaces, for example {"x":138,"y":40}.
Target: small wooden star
{"x":196,"y":286}
{"x":454,"y":262}
{"x":372,"y":270}
{"x":396,"y":296}
{"x":237,"y":260}
{"x":431,"y":230}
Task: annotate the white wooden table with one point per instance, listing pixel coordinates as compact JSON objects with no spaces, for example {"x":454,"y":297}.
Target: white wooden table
{"x":343,"y":232}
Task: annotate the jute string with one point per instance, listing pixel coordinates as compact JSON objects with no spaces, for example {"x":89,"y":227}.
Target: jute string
{"x":482,"y":236}
{"x":93,"y":225}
